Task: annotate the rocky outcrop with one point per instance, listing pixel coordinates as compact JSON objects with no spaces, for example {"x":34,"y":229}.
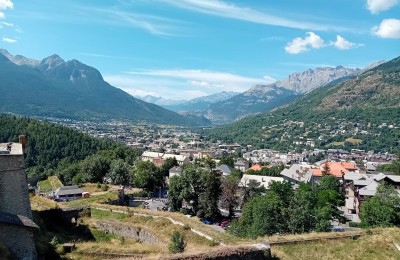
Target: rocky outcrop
{"x":308,"y":80}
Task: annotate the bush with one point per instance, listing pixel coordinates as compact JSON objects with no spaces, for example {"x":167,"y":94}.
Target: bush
{"x":104,"y":187}
{"x":140,"y":194}
{"x":354,"y":224}
{"x":177,"y":244}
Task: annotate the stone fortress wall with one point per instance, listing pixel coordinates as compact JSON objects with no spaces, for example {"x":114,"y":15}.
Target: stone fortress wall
{"x":16,"y":225}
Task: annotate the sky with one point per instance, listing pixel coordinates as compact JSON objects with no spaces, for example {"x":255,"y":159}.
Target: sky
{"x":182,"y":49}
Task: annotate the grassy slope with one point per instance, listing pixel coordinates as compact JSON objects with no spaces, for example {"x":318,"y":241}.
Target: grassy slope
{"x":51,"y":183}
{"x":379,"y":245}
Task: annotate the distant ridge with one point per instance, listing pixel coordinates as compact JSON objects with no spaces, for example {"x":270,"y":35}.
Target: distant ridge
{"x":70,"y":89}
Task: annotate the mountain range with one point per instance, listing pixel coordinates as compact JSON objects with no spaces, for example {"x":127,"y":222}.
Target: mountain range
{"x":263,"y":98}
{"x":70,"y":89}
{"x":196,"y":104}
{"x":362,"y":105}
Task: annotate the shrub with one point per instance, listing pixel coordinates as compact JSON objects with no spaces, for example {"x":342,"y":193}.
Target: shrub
{"x":104,"y":187}
{"x":354,"y":224}
{"x":177,"y":244}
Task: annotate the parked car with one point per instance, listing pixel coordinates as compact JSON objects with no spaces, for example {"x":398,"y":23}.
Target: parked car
{"x":224,"y":223}
{"x":207,"y":222}
{"x":338,"y":229}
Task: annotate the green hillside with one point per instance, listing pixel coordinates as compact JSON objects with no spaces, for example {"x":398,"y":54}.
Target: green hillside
{"x":58,"y":150}
{"x":71,"y":89}
{"x":365,"y":107}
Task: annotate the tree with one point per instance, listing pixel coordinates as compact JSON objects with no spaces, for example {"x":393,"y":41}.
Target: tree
{"x":229,"y":200}
{"x":177,"y":244}
{"x":251,"y":189}
{"x":192,"y":185}
{"x":119,"y":172}
{"x":228,"y":160}
{"x":208,"y":199}
{"x":167,"y":165}
{"x":301,"y":214}
{"x":95,"y":168}
{"x":174,"y":193}
{"x":146,"y":175}
{"x":382,"y":210}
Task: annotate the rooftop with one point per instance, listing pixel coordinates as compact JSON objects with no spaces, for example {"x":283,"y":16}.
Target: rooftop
{"x":11,"y":149}
{"x":16,"y":220}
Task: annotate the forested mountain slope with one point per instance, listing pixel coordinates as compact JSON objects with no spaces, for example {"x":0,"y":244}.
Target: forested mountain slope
{"x":365,"y":108}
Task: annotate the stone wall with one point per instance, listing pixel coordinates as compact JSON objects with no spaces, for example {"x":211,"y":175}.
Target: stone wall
{"x":19,"y":240}
{"x":128,"y":232}
{"x":229,"y":253}
{"x":14,"y":197}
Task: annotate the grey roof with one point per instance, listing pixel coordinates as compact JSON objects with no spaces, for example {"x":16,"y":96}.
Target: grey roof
{"x":298,"y":172}
{"x":369,"y":190}
{"x":18,"y":220}
{"x":354,"y":176}
{"x":379,"y":177}
{"x":225,"y":168}
{"x":395,"y":178}
{"x":241,"y":163}
{"x":362,"y":182}
{"x":68,"y":190}
{"x":175,"y":169}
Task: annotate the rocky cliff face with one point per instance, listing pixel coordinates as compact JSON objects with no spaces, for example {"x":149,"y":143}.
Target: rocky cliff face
{"x":308,"y":80}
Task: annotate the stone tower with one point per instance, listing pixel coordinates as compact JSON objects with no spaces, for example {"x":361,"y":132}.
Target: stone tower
{"x":16,"y":225}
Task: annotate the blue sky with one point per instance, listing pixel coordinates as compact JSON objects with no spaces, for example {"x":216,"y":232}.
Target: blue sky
{"x":182,"y":49}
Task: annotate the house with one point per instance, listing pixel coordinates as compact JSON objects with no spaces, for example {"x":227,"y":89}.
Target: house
{"x":297,"y":173}
{"x":225,"y":169}
{"x":68,"y":193}
{"x":263,"y":180}
{"x":176,"y":170}
{"x":358,"y":187}
{"x":337,"y":169}
{"x":150,"y":156}
{"x":181,"y":159}
{"x":241,"y":165}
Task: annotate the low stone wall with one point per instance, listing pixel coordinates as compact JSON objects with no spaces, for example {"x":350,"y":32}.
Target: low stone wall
{"x":128,"y":232}
{"x":229,"y":253}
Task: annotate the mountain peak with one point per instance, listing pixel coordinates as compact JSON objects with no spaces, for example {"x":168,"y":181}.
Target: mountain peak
{"x":309,"y":79}
{"x":19,"y":59}
{"x":52,"y":60}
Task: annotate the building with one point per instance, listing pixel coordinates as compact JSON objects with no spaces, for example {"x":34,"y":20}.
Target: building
{"x":16,"y":226}
{"x":174,"y":171}
{"x":224,"y":169}
{"x":241,"y":165}
{"x":264,"y":181}
{"x":66,"y":193}
{"x":298,"y":173}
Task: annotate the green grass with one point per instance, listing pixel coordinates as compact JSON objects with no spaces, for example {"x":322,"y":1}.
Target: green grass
{"x":50,"y":184}
{"x":109,"y":196}
{"x":101,"y":236}
{"x":379,"y":245}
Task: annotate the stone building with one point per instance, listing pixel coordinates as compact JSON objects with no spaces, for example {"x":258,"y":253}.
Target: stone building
{"x":16,"y":225}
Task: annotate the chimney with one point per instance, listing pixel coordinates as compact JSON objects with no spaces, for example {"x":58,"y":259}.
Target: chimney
{"x":22,"y":140}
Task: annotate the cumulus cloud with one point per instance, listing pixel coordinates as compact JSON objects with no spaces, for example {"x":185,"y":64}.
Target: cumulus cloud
{"x":9,"y":40}
{"x":343,"y":44}
{"x":300,"y":45}
{"x":389,"y":28}
{"x":376,"y":6}
{"x":5,"y":4}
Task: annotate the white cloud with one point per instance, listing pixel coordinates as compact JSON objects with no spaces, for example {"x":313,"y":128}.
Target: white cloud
{"x":5,"y":4}
{"x":389,"y":28}
{"x":182,"y":84}
{"x":300,"y":45}
{"x":199,"y":83}
{"x":7,"y":24}
{"x":8,"y":40}
{"x":228,"y":10}
{"x":343,"y":44}
{"x":376,"y":6}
